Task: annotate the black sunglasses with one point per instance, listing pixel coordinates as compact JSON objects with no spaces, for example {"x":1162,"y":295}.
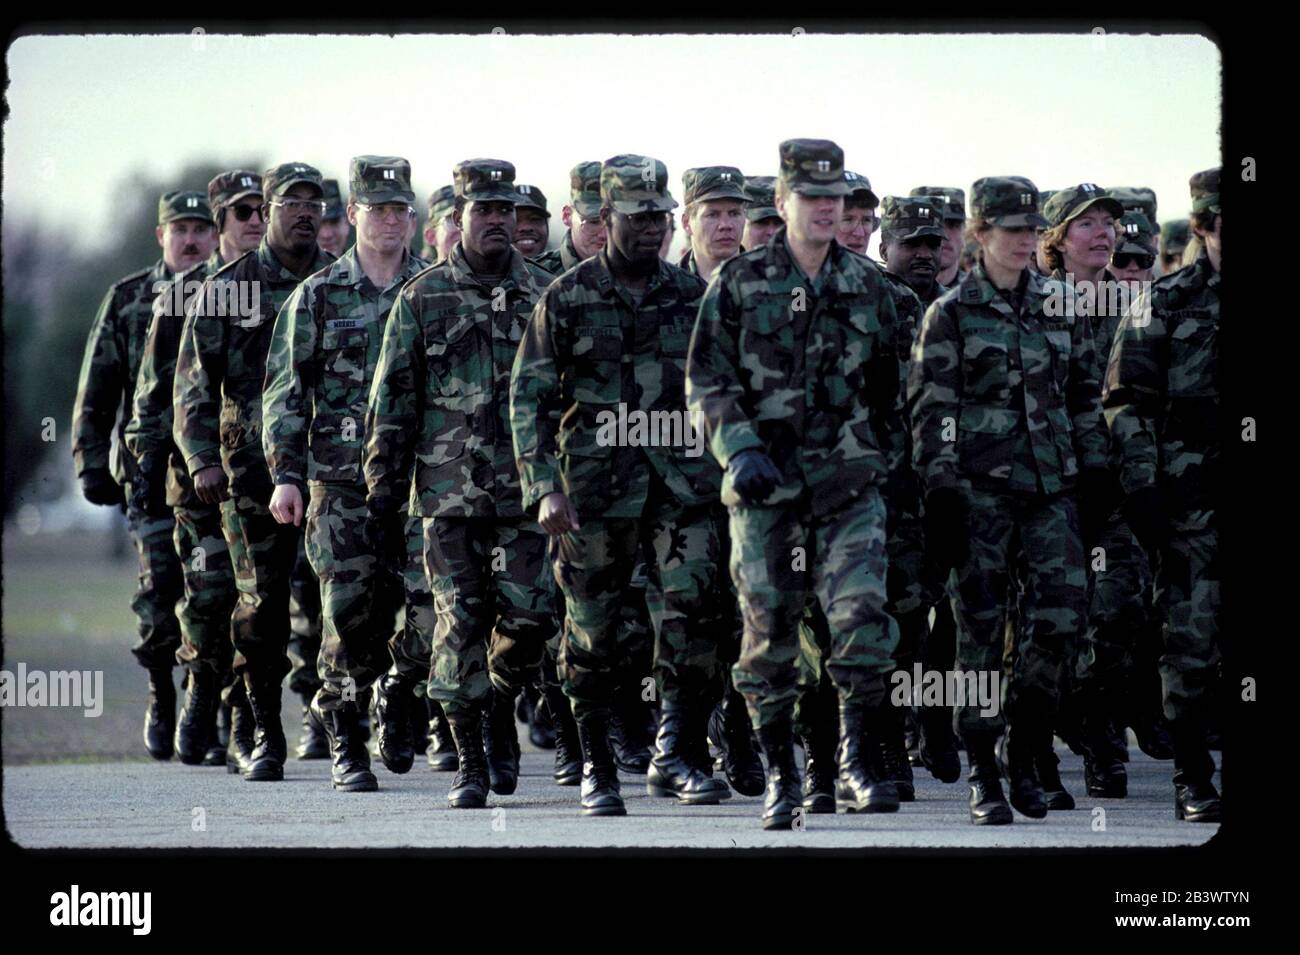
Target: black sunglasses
{"x":244,"y":213}
{"x":1124,"y":260}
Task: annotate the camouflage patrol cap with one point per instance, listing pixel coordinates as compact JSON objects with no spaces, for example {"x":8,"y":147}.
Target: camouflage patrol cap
{"x":1205,"y":191}
{"x":630,"y":184}
{"x":584,"y":188}
{"x":1174,"y":235}
{"x":228,"y":187}
{"x":1044,"y":195}
{"x":1007,"y":201}
{"x":485,"y":180}
{"x":333,"y":200}
{"x":913,"y":217}
{"x":183,"y":204}
{"x":761,"y":191}
{"x":860,"y":187}
{"x":377,"y":179}
{"x":813,"y":167}
{"x":1135,"y":234}
{"x":530,"y":197}
{"x":441,"y":204}
{"x":1136,"y":198}
{"x":278,"y":180}
{"x":952,"y":199}
{"x":713,"y":182}
{"x":1067,"y":204}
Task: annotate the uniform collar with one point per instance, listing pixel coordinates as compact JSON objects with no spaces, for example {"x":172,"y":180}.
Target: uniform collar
{"x":275,"y":270}
{"x":609,"y":285}
{"x":517,"y":275}
{"x":346,"y":269}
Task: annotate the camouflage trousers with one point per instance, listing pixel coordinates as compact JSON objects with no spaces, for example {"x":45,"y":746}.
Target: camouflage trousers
{"x":262,"y":551}
{"x":635,"y":636}
{"x":361,"y":594}
{"x":412,"y":645}
{"x":594,"y":564}
{"x":1187,"y":598}
{"x":780,"y":556}
{"x":1036,"y":538}
{"x":209,"y":578}
{"x":1120,"y":616}
{"x":159,"y":587}
{"x":494,"y":605}
{"x":304,"y":625}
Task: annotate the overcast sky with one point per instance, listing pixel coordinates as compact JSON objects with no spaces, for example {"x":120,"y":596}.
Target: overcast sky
{"x":907,"y":110}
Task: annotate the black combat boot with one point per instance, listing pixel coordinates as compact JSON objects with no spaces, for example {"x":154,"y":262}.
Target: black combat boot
{"x":630,"y":729}
{"x":242,"y":729}
{"x":350,"y":771}
{"x":470,"y":787}
{"x":1047,"y":765}
{"x":313,"y":742}
{"x":442,"y":750}
{"x":197,"y":726}
{"x":266,"y":762}
{"x":568,"y":747}
{"x":600,"y":789}
{"x":783,"y":798}
{"x":541,"y":725}
{"x":894,"y":763}
{"x":912,"y":737}
{"x":729,"y":730}
{"x":223,"y":723}
{"x":938,"y":744}
{"x":819,"y":771}
{"x":160,"y":716}
{"x":1195,"y":798}
{"x":1103,"y":772}
{"x":1026,"y":791}
{"x":988,"y":807}
{"x":393,"y":699}
{"x":862,"y":786}
{"x":419,"y":721}
{"x":501,"y":742}
{"x":674,"y":767}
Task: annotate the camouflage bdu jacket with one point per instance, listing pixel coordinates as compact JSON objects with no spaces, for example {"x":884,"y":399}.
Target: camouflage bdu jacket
{"x":1162,"y":394}
{"x":903,"y":484}
{"x":109,"y":368}
{"x":817,"y":387}
{"x":149,"y":432}
{"x":1000,"y":400}
{"x":559,"y":261}
{"x":324,"y":350}
{"x":222,"y":366}
{"x":598,"y":389}
{"x":441,"y":390}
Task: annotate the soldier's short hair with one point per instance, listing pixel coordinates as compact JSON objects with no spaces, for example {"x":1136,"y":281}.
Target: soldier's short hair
{"x":858,"y":200}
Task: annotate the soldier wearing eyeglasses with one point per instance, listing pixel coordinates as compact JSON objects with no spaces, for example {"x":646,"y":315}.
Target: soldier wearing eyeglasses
{"x":581,"y":214}
{"x":217,"y":401}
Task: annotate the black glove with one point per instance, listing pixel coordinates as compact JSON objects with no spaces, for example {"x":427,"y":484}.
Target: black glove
{"x":753,"y":475}
{"x":149,"y":485}
{"x":947,"y":528}
{"x":1144,"y":511}
{"x":385,"y":528}
{"x":1098,"y":496}
{"x":98,"y":487}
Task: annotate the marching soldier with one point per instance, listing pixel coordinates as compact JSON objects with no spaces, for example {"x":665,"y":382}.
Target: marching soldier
{"x":954,"y":228}
{"x":859,"y":218}
{"x":441,"y":232}
{"x":1174,"y":237}
{"x":585,"y":232}
{"x":334,"y":227}
{"x":532,"y":222}
{"x":714,"y":217}
{"x":761,"y":218}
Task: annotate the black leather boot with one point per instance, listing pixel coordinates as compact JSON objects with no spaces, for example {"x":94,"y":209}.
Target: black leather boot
{"x":674,"y":769}
{"x":442,"y":750}
{"x":892,"y":742}
{"x":988,"y":807}
{"x":938,"y":744}
{"x":266,"y":762}
{"x":1026,"y":791}
{"x":819,"y":773}
{"x":313,"y":742}
{"x":1195,"y":798}
{"x":350,"y":771}
{"x":160,"y":716}
{"x":541,"y":725}
{"x":470,"y":787}
{"x":196,"y":728}
{"x":393,"y":699}
{"x":630,"y":729}
{"x":242,"y":728}
{"x":600,"y":789}
{"x":1103,"y":773}
{"x":568,"y":746}
{"x":861,"y":786}
{"x":1047,"y":765}
{"x":223,"y":724}
{"x":783,"y":797}
{"x":729,"y":730}
{"x":501,"y":743}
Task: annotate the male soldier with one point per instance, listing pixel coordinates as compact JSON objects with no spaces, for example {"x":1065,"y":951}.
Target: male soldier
{"x":858,"y":220}
{"x":209,"y":579}
{"x":761,"y":218}
{"x":608,"y":342}
{"x":1161,"y":402}
{"x":954,"y":225}
{"x":334,"y":228}
{"x":319,"y":370}
{"x":1174,"y":236}
{"x":585,"y":235}
{"x":714,"y":217}
{"x":441,"y":231}
{"x":104,"y":397}
{"x":439,"y":403}
{"x":794,"y":359}
{"x":217,"y":401}
{"x":532,"y":222}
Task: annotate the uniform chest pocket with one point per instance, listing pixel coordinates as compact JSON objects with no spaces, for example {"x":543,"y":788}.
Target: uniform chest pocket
{"x":598,"y":364}
{"x":452,"y":356}
{"x":769,"y":314}
{"x":1193,"y":354}
{"x":343,"y":356}
{"x":1059,"y":346}
{"x":985,"y":363}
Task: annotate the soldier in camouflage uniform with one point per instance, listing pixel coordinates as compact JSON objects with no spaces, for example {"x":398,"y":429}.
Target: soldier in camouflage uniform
{"x":441,"y":231}
{"x":608,"y":342}
{"x":1174,"y":236}
{"x":209,"y":579}
{"x":438,"y":403}
{"x":859,"y":218}
{"x":1136,"y":199}
{"x":714,"y":217}
{"x":217,"y":400}
{"x":794,"y":360}
{"x":585,"y":232}
{"x":1009,"y":443}
{"x":334,"y":227}
{"x":320,"y":367}
{"x":954,"y":227}
{"x":1162,"y":407}
{"x":761,"y":218}
{"x":532,"y":221}
{"x":108,"y":476}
